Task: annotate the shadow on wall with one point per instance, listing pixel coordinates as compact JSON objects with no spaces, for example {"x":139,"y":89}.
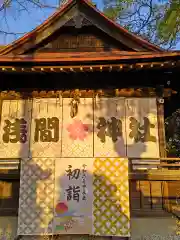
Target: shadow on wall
{"x":106,"y":205}
{"x":40,"y":176}
{"x":110,"y":120}
{"x":108,"y":199}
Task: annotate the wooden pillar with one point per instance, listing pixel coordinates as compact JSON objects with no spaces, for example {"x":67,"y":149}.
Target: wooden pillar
{"x":162,"y":144}
{"x":161,"y":127}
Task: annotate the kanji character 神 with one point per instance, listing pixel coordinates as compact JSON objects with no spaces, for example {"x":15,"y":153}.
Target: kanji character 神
{"x":111,"y":128}
{"x":16,"y":131}
{"x":47,"y":130}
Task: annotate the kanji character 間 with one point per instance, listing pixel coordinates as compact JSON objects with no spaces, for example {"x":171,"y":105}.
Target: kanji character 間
{"x":47,"y":130}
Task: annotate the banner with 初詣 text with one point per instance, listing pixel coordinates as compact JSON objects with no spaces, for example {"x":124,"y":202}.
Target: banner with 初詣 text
{"x":92,"y":197}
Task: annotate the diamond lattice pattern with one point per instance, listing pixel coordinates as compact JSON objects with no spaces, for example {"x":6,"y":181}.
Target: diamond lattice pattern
{"x":111,"y":197}
{"x":36,"y":196}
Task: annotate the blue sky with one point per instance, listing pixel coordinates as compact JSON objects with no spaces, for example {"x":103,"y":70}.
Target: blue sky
{"x":22,"y":21}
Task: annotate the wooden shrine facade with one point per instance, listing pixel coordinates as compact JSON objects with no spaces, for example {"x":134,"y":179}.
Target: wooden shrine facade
{"x":80,"y":53}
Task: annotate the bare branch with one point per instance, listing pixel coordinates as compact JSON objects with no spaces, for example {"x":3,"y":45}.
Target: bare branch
{"x":12,"y":33}
{"x":142,"y":17}
{"x":40,"y":5}
{"x":13,"y":10}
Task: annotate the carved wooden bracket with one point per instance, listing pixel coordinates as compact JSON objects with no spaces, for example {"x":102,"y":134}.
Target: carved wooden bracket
{"x":78,"y":19}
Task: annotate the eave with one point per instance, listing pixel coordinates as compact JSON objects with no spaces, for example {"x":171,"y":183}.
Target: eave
{"x":69,"y":62}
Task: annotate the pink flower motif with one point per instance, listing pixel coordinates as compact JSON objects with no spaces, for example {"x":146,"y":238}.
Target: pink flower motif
{"x":77,"y":130}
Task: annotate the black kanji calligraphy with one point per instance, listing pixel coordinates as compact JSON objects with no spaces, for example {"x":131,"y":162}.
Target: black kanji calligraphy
{"x":47,"y":130}
{"x":146,"y":128}
{"x":73,"y":173}
{"x":15,"y":131}
{"x":84,"y":183}
{"x":111,"y":128}
{"x":114,"y":129}
{"x":84,"y":167}
{"x":141,"y":133}
{"x":73,"y":193}
{"x":135,"y":133}
{"x":102,"y":125}
{"x":84,"y":198}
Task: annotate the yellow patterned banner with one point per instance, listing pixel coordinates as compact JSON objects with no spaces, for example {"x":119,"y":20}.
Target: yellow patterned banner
{"x":111,"y":197}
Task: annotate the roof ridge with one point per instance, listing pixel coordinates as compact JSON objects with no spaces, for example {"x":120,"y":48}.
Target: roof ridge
{"x":61,"y":10}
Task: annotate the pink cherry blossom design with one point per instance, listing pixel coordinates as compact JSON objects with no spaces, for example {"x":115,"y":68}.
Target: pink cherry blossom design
{"x":77,"y":130}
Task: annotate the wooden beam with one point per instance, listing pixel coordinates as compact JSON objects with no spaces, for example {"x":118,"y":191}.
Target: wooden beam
{"x":158,"y":175}
{"x":125,"y":92}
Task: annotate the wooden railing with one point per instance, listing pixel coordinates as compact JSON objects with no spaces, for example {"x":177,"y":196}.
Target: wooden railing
{"x":151,"y":163}
{"x":141,"y":168}
{"x":154,"y":186}
{"x":154,"y":169}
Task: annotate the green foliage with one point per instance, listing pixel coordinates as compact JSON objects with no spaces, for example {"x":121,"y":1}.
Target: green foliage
{"x":169,"y":26}
{"x":156,"y":21}
{"x":172,"y":126}
{"x":7,"y":3}
{"x":115,"y":8}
